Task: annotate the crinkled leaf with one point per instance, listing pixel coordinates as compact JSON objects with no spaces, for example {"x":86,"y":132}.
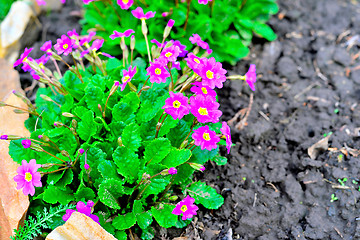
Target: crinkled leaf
{"x":157,"y":150}
{"x":108,"y":170}
{"x":87,"y":127}
{"x":131,"y":137}
{"x":205,"y":195}
{"x":66,"y":178}
{"x":164,"y":216}
{"x":151,"y":104}
{"x":109,"y":192}
{"x":127,"y":163}
{"x":93,"y":97}
{"x":123,"y":222}
{"x":156,"y":186}
{"x":143,"y":218}
{"x":54,"y":194}
{"x":176,"y":157}
{"x":84,"y":194}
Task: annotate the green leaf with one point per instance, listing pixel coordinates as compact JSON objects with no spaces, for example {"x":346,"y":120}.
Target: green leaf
{"x":66,"y":178}
{"x":87,"y":127}
{"x":151,"y":103}
{"x":219,"y":160}
{"x":178,"y":134}
{"x":121,"y":235}
{"x":93,"y":97}
{"x":176,"y":157}
{"x":143,"y":218}
{"x":156,"y":186}
{"x":205,"y":195}
{"x":127,"y":163}
{"x":148,"y":234}
{"x":108,"y":170}
{"x":109,"y":192}
{"x":132,"y":99}
{"x":123,"y":222}
{"x":168,"y":124}
{"x":157,"y":150}
{"x":19,"y":153}
{"x":53,"y":194}
{"x":131,"y":137}
{"x":265,"y":31}
{"x":84,"y":194}
{"x":164,"y":216}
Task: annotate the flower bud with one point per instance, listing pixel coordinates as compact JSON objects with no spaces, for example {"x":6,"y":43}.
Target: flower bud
{"x":173,"y":198}
{"x":81,"y":151}
{"x":26,"y":143}
{"x":4,"y":137}
{"x":65,"y":153}
{"x":114,"y":88}
{"x":44,"y":138}
{"x":99,"y":107}
{"x":74,"y":123}
{"x":132,"y":42}
{"x":9,"y":137}
{"x":66,"y":114}
{"x":47,"y":165}
{"x":197,"y":166}
{"x":144,"y":28}
{"x":132,"y":87}
{"x":36,"y":147}
{"x":183,"y":144}
{"x":58,"y":124}
{"x":18,"y":111}
{"x":168,"y":27}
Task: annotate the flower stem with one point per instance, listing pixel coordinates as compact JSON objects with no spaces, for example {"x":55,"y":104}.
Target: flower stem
{"x":171,"y":86}
{"x":187,"y":14}
{"x":54,"y":156}
{"x":56,"y":170}
{"x":57,"y":67}
{"x":158,"y":126}
{"x":192,"y":126}
{"x":143,"y":87}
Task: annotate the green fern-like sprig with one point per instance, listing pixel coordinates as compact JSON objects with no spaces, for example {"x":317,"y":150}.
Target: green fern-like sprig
{"x":32,"y":227}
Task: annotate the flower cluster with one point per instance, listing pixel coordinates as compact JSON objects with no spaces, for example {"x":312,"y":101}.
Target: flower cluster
{"x":84,"y":208}
{"x":104,"y":142}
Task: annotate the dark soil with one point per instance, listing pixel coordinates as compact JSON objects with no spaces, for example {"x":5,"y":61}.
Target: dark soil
{"x":307,"y":86}
{"x":272,"y":188}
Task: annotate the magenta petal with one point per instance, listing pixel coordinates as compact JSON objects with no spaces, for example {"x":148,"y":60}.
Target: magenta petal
{"x":83,"y":208}
{"x":67,"y":215}
{"x":95,"y":218}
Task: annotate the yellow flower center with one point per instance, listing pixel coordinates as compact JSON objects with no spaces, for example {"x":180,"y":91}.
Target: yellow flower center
{"x":157,"y":71}
{"x":203,"y":89}
{"x":125,"y":1}
{"x":126,"y":78}
{"x":206,"y":136}
{"x":65,"y":46}
{"x":183,"y":208}
{"x":176,"y":104}
{"x":169,"y":54}
{"x":41,"y":65}
{"x":25,"y":59}
{"x":196,"y":60}
{"x":28,"y":176}
{"x":209,"y":74}
{"x":203,"y":111}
